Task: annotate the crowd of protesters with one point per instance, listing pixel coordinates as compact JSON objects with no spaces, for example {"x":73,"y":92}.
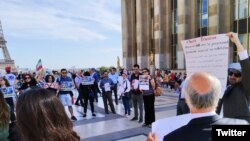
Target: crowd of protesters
{"x":40,"y":95}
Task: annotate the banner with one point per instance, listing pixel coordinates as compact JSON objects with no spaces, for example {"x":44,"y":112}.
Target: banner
{"x":8,"y":91}
{"x":87,"y":80}
{"x":66,"y":85}
{"x":208,"y":54}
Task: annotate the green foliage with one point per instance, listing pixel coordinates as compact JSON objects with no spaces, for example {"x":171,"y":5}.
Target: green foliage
{"x":102,"y":69}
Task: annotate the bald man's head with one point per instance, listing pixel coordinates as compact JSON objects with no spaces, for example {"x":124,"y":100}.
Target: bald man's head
{"x":202,"y":91}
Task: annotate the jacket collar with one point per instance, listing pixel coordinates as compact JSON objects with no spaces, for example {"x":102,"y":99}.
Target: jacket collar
{"x":202,"y":120}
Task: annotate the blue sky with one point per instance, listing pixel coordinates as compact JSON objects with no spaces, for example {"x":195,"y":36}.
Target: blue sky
{"x":63,"y":33}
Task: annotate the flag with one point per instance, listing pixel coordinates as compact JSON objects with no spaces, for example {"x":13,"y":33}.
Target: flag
{"x":39,"y":66}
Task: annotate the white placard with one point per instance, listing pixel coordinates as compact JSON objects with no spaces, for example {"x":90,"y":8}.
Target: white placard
{"x":8,"y":91}
{"x":87,"y":80}
{"x":120,"y":86}
{"x":144,"y":82}
{"x":135,"y":84}
{"x":164,"y":126}
{"x":66,"y":85}
{"x":209,"y":54}
{"x":107,"y":87}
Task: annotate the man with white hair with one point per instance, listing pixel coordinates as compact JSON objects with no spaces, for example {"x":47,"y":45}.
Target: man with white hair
{"x":202,"y":92}
{"x":235,"y":102}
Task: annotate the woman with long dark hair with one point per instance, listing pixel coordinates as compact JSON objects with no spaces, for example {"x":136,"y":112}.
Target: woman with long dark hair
{"x":9,"y":100}
{"x":41,"y":117}
{"x":149,"y":100}
{"x":4,"y":119}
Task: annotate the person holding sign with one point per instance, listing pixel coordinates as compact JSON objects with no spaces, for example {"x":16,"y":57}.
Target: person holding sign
{"x":136,"y":94}
{"x":149,"y":100}
{"x":124,"y":87}
{"x":235,"y":102}
{"x":66,"y":85}
{"x":86,"y":89}
{"x":9,"y":93}
{"x":106,"y":84}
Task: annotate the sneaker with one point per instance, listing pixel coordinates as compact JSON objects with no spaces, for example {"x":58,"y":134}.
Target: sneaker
{"x":93,"y":114}
{"x":144,"y":125}
{"x":84,"y":115}
{"x":150,"y":126}
{"x":140,"y":121}
{"x":134,"y":118}
{"x":73,"y":118}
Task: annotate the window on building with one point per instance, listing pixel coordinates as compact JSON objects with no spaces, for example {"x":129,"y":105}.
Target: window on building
{"x":174,"y":21}
{"x":174,"y":34}
{"x":204,"y":11}
{"x":242,"y":8}
{"x":241,"y":23}
{"x":203,"y":17}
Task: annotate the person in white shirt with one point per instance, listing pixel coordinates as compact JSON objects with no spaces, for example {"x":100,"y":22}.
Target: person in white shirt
{"x":124,"y":89}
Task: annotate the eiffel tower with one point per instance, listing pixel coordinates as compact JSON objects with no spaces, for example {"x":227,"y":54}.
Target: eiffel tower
{"x":6,"y":61}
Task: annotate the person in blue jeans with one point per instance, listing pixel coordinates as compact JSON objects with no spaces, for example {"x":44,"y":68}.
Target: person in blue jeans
{"x":125,"y":95}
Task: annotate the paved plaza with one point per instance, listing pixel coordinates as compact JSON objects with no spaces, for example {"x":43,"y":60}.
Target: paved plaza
{"x":117,"y":127}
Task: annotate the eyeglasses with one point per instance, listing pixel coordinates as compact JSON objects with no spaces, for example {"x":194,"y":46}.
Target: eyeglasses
{"x":27,"y":78}
{"x":236,"y":74}
{"x":64,"y":72}
{"x":144,"y":71}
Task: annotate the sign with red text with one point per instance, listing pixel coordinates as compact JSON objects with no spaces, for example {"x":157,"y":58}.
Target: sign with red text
{"x":209,"y":54}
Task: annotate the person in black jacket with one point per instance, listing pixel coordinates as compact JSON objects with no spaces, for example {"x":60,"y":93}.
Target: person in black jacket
{"x":87,"y":92}
{"x":236,"y":99}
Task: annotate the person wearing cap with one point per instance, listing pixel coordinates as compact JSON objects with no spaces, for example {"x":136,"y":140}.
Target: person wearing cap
{"x":235,"y":102}
{"x":9,"y":76}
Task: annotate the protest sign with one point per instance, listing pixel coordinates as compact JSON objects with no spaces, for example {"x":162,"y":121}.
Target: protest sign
{"x":208,"y":54}
{"x":144,"y":82}
{"x":8,"y":91}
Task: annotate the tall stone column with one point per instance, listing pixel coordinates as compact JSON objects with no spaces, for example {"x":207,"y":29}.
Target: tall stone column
{"x":183,"y":30}
{"x":129,"y":45}
{"x":162,"y":32}
{"x":143,"y":31}
{"x":167,"y":36}
{"x":220,"y":18}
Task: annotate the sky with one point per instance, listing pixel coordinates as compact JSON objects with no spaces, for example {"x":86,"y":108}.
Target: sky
{"x":62,"y":33}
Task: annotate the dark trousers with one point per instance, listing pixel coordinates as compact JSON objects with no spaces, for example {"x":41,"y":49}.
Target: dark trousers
{"x":138,"y":99}
{"x":96,"y":94}
{"x":125,"y":101}
{"x":182,"y":107}
{"x":114,"y":89}
{"x":91,"y":102}
{"x":10,"y":102}
{"x":149,"y":106}
{"x":79,"y":98}
{"x":107,"y":97}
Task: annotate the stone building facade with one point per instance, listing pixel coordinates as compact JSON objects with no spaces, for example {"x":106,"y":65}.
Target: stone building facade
{"x":157,"y":27}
